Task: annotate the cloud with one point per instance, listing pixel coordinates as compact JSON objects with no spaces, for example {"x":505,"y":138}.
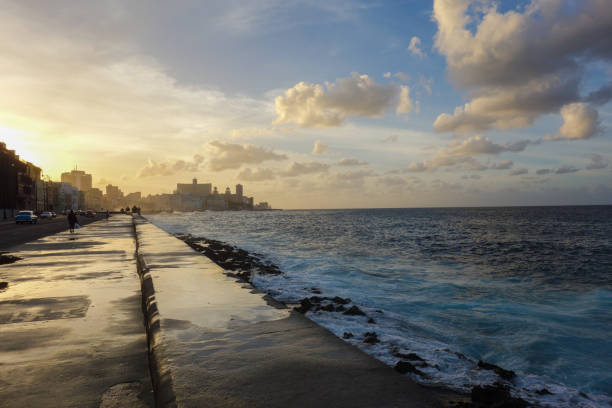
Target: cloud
{"x":518,"y":65}
{"x":414,"y":47}
{"x":392,"y":181}
{"x":298,"y":169}
{"x":597,"y":162}
{"x":519,"y":172}
{"x":600,"y":96}
{"x":565,"y":169}
{"x":542,"y":172}
{"x":256,"y":174}
{"x":502,"y":165}
{"x":154,"y":168}
{"x":224,"y":156}
{"x":580,"y":121}
{"x":405,"y":104}
{"x":350,"y":179}
{"x":351,"y":161}
{"x":391,"y":139}
{"x":320,"y":148}
{"x":314,"y":105}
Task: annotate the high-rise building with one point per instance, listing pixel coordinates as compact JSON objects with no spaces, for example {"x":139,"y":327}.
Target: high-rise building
{"x":239,"y":190}
{"x":194,"y":188}
{"x":78,"y":178}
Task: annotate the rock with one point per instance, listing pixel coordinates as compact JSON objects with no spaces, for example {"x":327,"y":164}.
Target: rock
{"x":315,"y":290}
{"x":371,"y":321}
{"x":543,"y":391}
{"x":409,"y":356}
{"x":404,"y":367}
{"x":503,"y":373}
{"x":340,"y":308}
{"x":338,"y":299}
{"x":328,"y":308}
{"x":305,"y":305}
{"x":347,"y":335}
{"x":496,"y":395}
{"x":8,"y":259}
{"x":354,"y":311}
{"x":371,"y":338}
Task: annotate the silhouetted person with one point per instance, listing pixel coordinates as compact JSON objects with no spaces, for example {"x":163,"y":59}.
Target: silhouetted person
{"x":107,"y":214}
{"x":72,"y":220}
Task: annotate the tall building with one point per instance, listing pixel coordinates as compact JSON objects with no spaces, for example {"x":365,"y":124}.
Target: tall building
{"x":10,"y":167}
{"x":194,"y":188}
{"x":78,"y":178}
{"x":239,"y":190}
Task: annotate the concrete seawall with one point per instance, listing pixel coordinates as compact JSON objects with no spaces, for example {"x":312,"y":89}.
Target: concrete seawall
{"x":216,"y":342}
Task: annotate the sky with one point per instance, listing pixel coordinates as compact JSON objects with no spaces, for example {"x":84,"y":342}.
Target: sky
{"x":317,"y":103}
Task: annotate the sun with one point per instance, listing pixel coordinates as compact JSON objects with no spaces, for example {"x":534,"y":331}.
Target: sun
{"x":15,"y":140}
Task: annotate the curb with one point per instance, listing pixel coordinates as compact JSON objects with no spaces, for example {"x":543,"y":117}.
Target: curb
{"x":161,"y":377}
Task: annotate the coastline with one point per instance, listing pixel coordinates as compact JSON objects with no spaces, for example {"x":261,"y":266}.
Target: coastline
{"x":243,"y":265}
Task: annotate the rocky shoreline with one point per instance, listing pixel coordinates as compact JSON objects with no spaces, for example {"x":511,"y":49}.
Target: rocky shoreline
{"x":244,"y":266}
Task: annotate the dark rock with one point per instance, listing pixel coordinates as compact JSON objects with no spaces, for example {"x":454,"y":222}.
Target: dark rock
{"x":371,"y":338}
{"x":503,"y":373}
{"x":316,"y":299}
{"x":8,"y":259}
{"x":404,"y":367}
{"x":543,"y":391}
{"x":347,"y":335}
{"x":409,"y":356}
{"x":305,"y":305}
{"x":328,"y":308}
{"x":497,"y":396}
{"x":354,"y":311}
{"x":340,"y":308}
{"x":338,"y":299}
{"x":315,"y":290}
{"x":371,"y":321}
{"x":3,"y":285}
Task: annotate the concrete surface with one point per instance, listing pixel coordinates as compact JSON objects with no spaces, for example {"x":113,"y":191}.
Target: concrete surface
{"x":218,"y":343}
{"x":71,"y":328}
{"x":12,"y":234}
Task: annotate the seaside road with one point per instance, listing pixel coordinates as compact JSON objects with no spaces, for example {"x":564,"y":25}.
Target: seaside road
{"x":216,"y":342}
{"x":71,"y":329}
{"x":12,"y":234}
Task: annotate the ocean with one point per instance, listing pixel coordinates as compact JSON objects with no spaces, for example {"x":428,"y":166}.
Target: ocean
{"x":526,"y":288}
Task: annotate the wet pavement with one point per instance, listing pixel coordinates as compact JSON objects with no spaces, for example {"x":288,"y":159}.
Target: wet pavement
{"x":216,"y":342}
{"x":71,"y":328}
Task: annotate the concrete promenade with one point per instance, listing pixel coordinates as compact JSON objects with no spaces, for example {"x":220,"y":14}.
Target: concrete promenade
{"x":72,"y":333}
{"x":71,"y":327}
{"x":219,"y":343}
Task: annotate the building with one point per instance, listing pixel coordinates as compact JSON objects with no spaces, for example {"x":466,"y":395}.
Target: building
{"x":133,"y":199}
{"x":239,"y":190}
{"x":94,"y":199}
{"x":10,"y":167}
{"x":27,"y":191}
{"x":78,"y":179}
{"x":68,"y":197}
{"x":194,"y":188}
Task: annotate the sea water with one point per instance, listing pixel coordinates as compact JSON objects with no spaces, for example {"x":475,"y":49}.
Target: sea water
{"x":525,"y":288}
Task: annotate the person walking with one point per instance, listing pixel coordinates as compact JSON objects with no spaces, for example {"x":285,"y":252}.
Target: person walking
{"x":72,"y":221}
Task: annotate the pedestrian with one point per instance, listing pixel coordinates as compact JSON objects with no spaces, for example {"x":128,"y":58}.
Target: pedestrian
{"x":72,"y":220}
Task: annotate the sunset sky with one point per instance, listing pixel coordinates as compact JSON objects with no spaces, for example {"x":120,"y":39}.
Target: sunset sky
{"x":317,"y":103}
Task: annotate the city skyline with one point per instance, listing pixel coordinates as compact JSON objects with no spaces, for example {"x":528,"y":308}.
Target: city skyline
{"x":318,"y":104}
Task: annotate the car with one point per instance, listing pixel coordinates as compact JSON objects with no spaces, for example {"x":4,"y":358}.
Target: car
{"x":45,"y":214}
{"x":90,"y":214}
{"x":24,"y":217}
{"x":53,"y":214}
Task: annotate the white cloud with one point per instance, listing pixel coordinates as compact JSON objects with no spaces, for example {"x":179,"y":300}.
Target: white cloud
{"x":502,"y":165}
{"x":597,"y":162}
{"x":565,"y":169}
{"x":351,"y":161}
{"x":580,"y":121}
{"x":414,"y":47}
{"x":256,"y":174}
{"x":224,"y":156}
{"x":518,"y":65}
{"x":154,"y":168}
{"x":320,"y":148}
{"x":391,"y":139}
{"x":314,"y":105}
{"x":298,"y":169}
{"x":405,"y":104}
{"x":519,"y":172}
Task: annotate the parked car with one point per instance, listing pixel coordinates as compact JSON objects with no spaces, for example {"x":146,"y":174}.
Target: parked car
{"x":53,"y":214}
{"x":26,"y":217}
{"x":90,"y":214}
{"x":45,"y":214}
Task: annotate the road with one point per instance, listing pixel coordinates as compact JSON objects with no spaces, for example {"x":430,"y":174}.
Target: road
{"x":12,"y":234}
